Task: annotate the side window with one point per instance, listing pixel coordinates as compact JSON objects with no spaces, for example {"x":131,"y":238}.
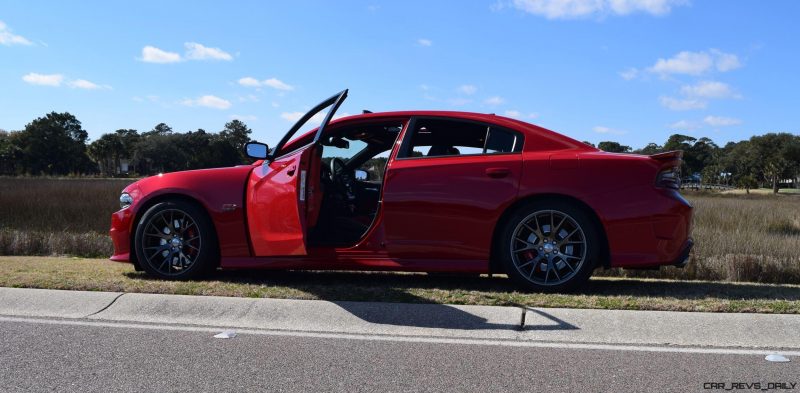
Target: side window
{"x":502,"y":141}
{"x":441,"y":137}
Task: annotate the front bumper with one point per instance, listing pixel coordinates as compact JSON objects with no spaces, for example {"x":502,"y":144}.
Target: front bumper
{"x":121,"y":234}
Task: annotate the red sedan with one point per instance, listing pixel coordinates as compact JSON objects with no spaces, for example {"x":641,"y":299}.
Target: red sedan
{"x":413,"y":191}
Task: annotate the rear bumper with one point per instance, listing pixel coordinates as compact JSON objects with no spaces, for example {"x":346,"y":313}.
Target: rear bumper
{"x":647,"y":227}
{"x":683,"y":258}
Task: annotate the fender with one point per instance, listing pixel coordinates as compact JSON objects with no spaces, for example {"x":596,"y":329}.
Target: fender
{"x":221,"y":192}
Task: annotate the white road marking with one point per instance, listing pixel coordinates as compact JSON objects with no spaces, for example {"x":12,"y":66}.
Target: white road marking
{"x":415,"y":339}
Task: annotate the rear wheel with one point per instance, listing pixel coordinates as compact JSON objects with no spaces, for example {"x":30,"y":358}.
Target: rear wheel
{"x":175,"y":240}
{"x":549,"y":246}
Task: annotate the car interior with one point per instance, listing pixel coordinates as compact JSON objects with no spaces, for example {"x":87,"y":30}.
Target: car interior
{"x":445,"y":137}
{"x":353,"y":161}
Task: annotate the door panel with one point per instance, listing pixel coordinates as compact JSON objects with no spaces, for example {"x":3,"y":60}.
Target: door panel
{"x":276,"y":205}
{"x":283,"y":192}
{"x":447,"y":207}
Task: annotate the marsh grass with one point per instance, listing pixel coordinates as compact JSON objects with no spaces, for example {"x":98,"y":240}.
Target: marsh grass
{"x":57,"y":216}
{"x":66,"y":205}
{"x":738,"y":237}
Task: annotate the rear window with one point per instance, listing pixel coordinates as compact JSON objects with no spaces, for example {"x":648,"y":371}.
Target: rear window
{"x":444,"y":137}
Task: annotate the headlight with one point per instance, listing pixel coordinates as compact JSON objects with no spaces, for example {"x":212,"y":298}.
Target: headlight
{"x":125,"y":200}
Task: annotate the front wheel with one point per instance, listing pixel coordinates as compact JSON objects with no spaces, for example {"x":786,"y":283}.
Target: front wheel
{"x":175,"y":240}
{"x":549,"y":246}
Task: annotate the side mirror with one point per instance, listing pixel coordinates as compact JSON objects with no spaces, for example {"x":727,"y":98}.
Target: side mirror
{"x":362,"y":175}
{"x":256,"y":150}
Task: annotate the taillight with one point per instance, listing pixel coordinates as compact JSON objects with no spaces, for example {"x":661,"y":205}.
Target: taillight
{"x":669,"y":178}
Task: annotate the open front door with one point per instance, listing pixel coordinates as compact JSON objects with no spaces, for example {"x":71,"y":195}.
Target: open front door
{"x":278,"y":190}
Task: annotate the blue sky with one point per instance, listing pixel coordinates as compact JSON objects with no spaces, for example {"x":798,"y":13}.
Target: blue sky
{"x":633,"y":71}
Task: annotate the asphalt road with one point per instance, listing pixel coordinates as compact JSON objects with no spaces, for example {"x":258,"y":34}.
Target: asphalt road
{"x":61,"y":355}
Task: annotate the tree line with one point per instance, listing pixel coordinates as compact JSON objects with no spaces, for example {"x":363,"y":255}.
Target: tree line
{"x":56,"y":144}
{"x":762,"y":160}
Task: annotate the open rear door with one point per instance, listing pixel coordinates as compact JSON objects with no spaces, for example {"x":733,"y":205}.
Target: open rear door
{"x":277,"y":190}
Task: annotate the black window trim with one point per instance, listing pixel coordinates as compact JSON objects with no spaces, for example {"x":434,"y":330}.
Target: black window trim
{"x":405,"y":146}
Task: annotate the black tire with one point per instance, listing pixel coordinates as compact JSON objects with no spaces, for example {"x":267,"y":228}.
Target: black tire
{"x":193,"y":255}
{"x":573,"y":245}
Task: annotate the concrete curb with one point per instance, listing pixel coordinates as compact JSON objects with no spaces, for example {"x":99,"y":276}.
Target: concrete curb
{"x":666,"y":327}
{"x":53,"y":303}
{"x":431,"y":320}
{"x":318,"y":316}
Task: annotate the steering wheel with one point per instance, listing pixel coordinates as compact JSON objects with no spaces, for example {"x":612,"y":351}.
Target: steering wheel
{"x":344,"y":180}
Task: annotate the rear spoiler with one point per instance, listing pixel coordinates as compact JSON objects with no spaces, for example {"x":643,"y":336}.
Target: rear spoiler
{"x":668,"y":156}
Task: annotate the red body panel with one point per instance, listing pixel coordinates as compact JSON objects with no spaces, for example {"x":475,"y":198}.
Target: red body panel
{"x":446,"y":207}
{"x":275,"y":213}
{"x":438,"y":213}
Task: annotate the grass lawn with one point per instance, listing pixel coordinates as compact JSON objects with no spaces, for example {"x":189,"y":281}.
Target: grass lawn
{"x":602,"y":293}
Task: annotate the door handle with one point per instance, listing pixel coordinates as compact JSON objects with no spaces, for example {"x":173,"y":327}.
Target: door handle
{"x":291,"y":170}
{"x":497,"y":173}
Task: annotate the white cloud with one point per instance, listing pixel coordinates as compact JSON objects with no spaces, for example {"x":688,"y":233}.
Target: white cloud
{"x":572,"y":9}
{"x":88,"y":85}
{"x":696,"y":63}
{"x":725,"y":61}
{"x":55,"y":80}
{"x":424,"y":42}
{"x":292,"y":116}
{"x":653,"y":7}
{"x":249,"y":82}
{"x":719,"y":121}
{"x":8,"y":38}
{"x":685,"y":125}
{"x":677,"y":104}
{"x":271,"y":82}
{"x":692,"y":63}
{"x":195,"y":51}
{"x":696,"y":96}
{"x":709,"y":89}
{"x":151,"y":54}
{"x":607,"y":130}
{"x":249,"y":98}
{"x":277,"y":84}
{"x":467,"y":89}
{"x":43,"y":79}
{"x":208,"y":101}
{"x":513,"y":113}
{"x":629,"y":74}
{"x":495,"y":100}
